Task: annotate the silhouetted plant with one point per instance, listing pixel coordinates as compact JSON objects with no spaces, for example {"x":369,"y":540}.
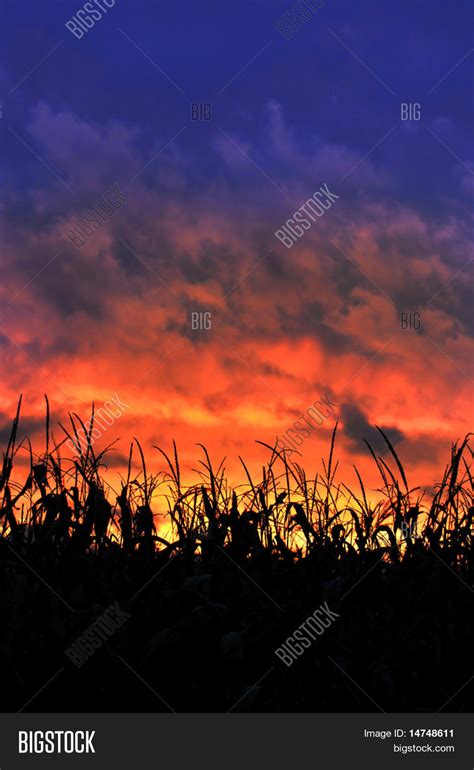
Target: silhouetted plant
{"x":216,"y":582}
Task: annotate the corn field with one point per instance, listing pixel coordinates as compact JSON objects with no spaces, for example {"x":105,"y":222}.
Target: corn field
{"x":215,"y":578}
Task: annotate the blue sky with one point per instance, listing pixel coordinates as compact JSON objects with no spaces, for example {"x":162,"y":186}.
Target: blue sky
{"x":326,"y":94}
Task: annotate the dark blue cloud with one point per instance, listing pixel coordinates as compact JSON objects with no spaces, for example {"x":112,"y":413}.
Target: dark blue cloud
{"x":327,"y":95}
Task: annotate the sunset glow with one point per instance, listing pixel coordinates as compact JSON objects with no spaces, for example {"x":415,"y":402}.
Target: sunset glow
{"x":83,"y":319}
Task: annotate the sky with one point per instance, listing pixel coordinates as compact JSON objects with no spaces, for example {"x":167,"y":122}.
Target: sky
{"x":111,"y":314}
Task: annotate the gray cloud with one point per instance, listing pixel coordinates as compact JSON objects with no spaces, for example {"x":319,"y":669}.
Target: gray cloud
{"x":356,"y":428}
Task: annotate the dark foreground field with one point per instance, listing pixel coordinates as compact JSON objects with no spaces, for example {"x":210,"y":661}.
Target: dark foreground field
{"x":202,"y":612}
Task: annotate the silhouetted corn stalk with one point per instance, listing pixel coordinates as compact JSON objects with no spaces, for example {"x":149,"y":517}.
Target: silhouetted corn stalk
{"x":65,"y":501}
